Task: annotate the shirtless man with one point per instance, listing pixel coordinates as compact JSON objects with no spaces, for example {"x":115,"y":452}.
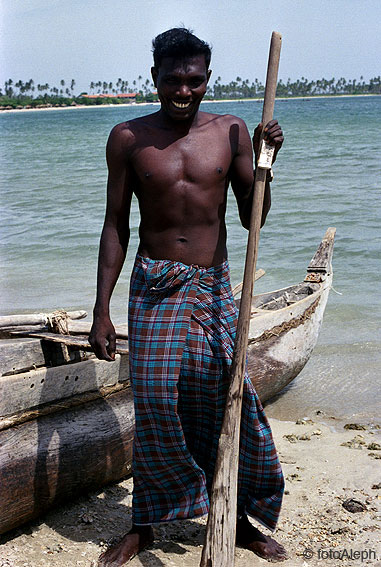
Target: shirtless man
{"x":179,"y":162}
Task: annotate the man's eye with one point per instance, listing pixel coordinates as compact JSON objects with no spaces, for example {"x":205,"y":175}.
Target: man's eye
{"x":196,"y":83}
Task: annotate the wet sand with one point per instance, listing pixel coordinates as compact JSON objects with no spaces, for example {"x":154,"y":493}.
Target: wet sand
{"x":324,"y":464}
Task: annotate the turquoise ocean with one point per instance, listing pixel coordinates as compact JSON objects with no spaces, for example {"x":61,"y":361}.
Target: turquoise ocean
{"x":53,"y":177}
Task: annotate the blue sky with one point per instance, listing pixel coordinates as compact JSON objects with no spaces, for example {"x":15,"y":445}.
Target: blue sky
{"x":48,"y":40}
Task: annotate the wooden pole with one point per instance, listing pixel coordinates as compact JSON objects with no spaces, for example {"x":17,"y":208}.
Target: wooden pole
{"x":35,"y":318}
{"x":219,"y":544}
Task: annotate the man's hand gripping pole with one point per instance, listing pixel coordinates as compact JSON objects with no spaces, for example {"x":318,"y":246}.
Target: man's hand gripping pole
{"x":219,"y":544}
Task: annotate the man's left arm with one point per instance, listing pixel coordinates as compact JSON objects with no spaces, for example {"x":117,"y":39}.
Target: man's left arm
{"x":242,"y":175}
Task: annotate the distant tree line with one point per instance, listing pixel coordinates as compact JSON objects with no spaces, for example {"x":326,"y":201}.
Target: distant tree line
{"x":18,"y":94}
{"x":242,"y":88}
{"x":138,"y":86}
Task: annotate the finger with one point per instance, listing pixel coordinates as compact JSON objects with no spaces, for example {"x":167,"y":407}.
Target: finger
{"x":111,"y":347}
{"x":274,"y":131}
{"x":274,"y":137}
{"x":275,"y":128}
{"x":99,"y":348}
{"x":270,"y":124}
{"x":102,"y":352}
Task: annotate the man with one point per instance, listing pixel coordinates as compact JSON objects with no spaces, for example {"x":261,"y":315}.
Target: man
{"x":179,"y":162}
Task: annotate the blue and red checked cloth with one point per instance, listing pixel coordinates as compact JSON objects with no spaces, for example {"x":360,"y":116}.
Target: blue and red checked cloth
{"x":182,"y":324}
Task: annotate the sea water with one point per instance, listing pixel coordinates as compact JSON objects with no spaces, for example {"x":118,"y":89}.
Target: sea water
{"x":328,"y":173}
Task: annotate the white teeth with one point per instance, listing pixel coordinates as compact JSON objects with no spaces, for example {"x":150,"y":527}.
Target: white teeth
{"x":181,"y":104}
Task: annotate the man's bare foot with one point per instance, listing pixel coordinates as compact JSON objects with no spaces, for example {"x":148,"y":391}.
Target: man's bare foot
{"x":137,"y":539}
{"x":250,"y":538}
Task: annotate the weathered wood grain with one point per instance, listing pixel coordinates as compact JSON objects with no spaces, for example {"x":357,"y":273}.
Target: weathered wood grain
{"x":20,"y":392}
{"x":323,"y":256}
{"x":59,"y":456}
{"x":79,"y":341}
{"x":20,"y":354}
{"x":35,"y":318}
{"x":61,"y":405}
{"x":219,"y":544}
{"x":238,"y":288}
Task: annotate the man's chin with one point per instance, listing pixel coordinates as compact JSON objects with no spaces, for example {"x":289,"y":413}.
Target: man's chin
{"x":181,"y":114}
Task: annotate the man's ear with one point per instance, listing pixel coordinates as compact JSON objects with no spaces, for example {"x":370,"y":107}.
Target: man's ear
{"x":154,"y":74}
{"x":208,"y":75}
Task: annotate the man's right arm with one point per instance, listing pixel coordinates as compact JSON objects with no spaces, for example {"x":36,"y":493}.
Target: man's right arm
{"x":114,"y":240}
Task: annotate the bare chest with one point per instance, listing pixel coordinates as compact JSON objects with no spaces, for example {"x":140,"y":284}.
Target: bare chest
{"x":197,"y":159}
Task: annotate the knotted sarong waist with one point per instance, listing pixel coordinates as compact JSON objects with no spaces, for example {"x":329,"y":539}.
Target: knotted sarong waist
{"x":182,"y":322}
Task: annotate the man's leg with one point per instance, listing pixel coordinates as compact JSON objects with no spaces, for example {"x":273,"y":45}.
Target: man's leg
{"x":135,"y":541}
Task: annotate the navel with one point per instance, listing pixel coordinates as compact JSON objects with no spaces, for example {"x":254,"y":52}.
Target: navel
{"x":147,"y":174}
{"x":182,"y":239}
{"x":219,"y":170}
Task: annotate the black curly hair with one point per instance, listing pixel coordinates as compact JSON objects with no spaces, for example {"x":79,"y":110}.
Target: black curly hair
{"x":178,"y":43}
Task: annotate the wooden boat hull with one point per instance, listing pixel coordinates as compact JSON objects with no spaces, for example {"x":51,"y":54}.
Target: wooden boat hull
{"x":281,"y":346}
{"x":59,"y":456}
{"x":54,"y":446}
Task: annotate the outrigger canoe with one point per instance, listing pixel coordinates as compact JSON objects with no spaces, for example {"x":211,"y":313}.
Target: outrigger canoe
{"x":66,"y":418}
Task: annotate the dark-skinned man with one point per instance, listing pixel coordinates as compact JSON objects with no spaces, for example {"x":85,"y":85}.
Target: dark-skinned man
{"x":179,"y":163}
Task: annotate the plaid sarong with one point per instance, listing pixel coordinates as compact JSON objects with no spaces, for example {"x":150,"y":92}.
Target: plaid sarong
{"x":182,"y":322}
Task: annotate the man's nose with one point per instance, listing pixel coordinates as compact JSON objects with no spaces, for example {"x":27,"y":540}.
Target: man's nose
{"x":184,"y":91}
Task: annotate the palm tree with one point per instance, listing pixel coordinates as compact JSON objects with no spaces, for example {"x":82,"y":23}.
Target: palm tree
{"x":19,"y":85}
{"x":8,"y":88}
{"x":29,"y":86}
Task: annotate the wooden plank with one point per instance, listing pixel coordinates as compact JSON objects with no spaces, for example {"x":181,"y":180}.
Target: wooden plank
{"x":20,"y":354}
{"x":43,"y":353}
{"x":35,"y":318}
{"x":74,"y":327}
{"x":79,"y":341}
{"x":61,"y":405}
{"x":83,"y":328}
{"x":60,"y":456}
{"x":321,"y":261}
{"x":27,"y":390}
{"x":238,"y":288}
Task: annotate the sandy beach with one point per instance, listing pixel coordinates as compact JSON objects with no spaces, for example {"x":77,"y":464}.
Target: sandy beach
{"x":74,"y":107}
{"x":330,"y":514}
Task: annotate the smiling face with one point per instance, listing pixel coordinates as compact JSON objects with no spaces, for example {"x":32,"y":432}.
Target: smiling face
{"x":181,"y":85}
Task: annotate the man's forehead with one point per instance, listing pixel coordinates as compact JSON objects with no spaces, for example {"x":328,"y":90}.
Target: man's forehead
{"x":186,"y":64}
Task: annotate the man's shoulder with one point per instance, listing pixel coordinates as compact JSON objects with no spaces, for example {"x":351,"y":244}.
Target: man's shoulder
{"x":130,"y":126}
{"x":222,"y":120}
{"x":125,"y":133}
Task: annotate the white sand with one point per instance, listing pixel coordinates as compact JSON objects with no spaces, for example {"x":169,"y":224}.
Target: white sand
{"x":320,"y":475}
